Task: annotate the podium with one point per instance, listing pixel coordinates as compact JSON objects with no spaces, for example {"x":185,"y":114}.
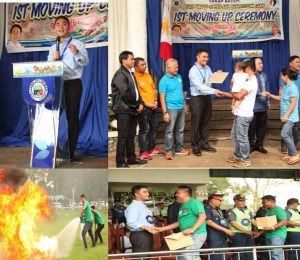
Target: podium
{"x":43,"y":92}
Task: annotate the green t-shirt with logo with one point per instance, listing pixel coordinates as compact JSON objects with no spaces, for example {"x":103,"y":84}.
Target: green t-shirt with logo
{"x":87,"y":212}
{"x":280,"y":215}
{"x":98,"y":217}
{"x":188,"y":215}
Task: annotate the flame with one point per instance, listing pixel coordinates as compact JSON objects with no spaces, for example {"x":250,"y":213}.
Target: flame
{"x":20,"y":209}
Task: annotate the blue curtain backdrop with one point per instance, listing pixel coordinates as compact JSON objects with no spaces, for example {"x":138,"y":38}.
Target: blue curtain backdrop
{"x":275,"y":52}
{"x":93,"y":136}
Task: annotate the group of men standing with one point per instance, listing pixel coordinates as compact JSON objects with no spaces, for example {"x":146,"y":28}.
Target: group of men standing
{"x":135,"y":100}
{"x":206,"y":222}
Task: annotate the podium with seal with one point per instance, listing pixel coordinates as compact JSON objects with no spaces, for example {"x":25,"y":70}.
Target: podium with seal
{"x":42,"y":91}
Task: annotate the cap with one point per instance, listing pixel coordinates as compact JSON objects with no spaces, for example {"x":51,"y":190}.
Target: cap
{"x":216,"y":196}
{"x":268,"y":197}
{"x":292,"y":201}
{"x":240,"y":197}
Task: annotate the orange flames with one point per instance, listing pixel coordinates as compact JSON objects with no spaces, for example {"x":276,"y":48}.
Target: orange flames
{"x":20,"y":208}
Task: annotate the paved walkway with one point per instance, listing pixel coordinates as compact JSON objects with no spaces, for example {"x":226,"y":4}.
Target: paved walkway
{"x":215,"y":160}
{"x":20,"y":157}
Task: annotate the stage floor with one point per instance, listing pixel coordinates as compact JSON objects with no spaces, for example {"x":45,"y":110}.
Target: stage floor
{"x":215,"y":160}
{"x":19,"y":157}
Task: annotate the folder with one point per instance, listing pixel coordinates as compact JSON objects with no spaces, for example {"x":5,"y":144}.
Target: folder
{"x":178,"y":240}
{"x":218,"y":77}
{"x":264,"y":222}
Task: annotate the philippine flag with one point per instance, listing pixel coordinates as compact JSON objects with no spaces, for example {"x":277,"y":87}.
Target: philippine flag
{"x":166,"y":51}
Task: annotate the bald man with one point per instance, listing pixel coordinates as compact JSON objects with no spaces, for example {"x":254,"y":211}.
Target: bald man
{"x":172,"y":99}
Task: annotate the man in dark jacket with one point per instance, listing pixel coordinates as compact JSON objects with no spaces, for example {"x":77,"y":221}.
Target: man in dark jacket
{"x":173,"y":212}
{"x":127,"y":103}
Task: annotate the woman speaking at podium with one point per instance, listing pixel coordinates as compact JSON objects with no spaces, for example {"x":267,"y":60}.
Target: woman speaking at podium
{"x":73,"y":53}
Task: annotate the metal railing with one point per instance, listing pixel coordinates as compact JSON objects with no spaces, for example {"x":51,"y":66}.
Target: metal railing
{"x":255,"y":251}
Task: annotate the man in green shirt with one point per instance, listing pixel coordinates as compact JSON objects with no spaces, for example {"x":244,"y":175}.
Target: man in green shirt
{"x":88,"y":218}
{"x":293,"y":230}
{"x":276,"y":235}
{"x":191,"y":220}
{"x":100,"y":224}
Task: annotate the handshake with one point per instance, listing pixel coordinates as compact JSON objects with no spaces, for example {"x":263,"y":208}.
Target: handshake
{"x":220,"y":93}
{"x":152,"y":230}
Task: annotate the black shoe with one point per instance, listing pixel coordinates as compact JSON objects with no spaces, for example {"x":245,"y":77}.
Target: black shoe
{"x":261,"y":149}
{"x":209,"y":149}
{"x":197,"y":153}
{"x":137,"y":161}
{"x":122,"y":165}
{"x":74,"y":158}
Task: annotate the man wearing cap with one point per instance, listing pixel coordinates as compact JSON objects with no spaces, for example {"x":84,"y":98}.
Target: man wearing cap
{"x":276,"y":235}
{"x":117,"y":212}
{"x":140,"y":220}
{"x":293,"y":224}
{"x":217,"y":228}
{"x":241,"y":220}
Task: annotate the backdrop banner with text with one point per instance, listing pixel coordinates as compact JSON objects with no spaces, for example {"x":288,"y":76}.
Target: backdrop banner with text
{"x":30,"y":26}
{"x":226,"y":21}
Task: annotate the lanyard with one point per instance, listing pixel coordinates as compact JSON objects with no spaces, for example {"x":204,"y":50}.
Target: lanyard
{"x":203,"y":76}
{"x":62,"y":55}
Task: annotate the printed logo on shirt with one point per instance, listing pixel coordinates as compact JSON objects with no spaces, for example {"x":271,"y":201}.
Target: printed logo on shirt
{"x":142,"y":84}
{"x":246,"y":222}
{"x":150,"y":219}
{"x":38,"y":90}
{"x":182,"y":212}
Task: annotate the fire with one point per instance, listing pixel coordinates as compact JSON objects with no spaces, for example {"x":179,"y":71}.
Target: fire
{"x":20,"y":208}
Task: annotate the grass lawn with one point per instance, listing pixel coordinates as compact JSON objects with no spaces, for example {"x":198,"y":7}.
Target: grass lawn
{"x":60,"y":219}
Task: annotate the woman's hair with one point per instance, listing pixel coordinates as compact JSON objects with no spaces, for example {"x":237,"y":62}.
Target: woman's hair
{"x":291,"y":74}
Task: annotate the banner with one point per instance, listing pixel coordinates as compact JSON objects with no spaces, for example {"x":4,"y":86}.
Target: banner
{"x":30,"y":26}
{"x":226,"y":20}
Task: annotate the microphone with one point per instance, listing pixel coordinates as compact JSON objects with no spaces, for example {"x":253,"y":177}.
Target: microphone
{"x":57,"y":44}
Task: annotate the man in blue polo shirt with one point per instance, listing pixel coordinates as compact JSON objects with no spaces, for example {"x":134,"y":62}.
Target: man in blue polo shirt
{"x":172,"y":99}
{"x":294,"y":65}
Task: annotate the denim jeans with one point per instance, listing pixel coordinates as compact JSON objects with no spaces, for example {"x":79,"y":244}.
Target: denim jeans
{"x":239,"y":134}
{"x":199,"y":240}
{"x":176,"y":124}
{"x":147,"y":129}
{"x":287,"y":137}
{"x":276,"y":254}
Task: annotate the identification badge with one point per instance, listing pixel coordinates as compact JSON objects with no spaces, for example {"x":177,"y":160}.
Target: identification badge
{"x":150,"y":219}
{"x":223,"y":223}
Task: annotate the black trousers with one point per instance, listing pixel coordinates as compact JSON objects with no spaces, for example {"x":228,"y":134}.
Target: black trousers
{"x":142,"y":241}
{"x":98,"y":233}
{"x":126,"y":133}
{"x":88,"y":228}
{"x":217,"y":243}
{"x":72,"y":94}
{"x":293,"y":238}
{"x":257,"y":129}
{"x":242,"y":240}
{"x":201,"y":111}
